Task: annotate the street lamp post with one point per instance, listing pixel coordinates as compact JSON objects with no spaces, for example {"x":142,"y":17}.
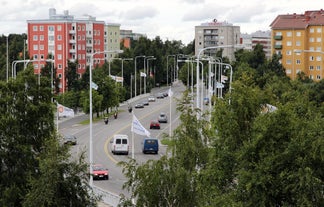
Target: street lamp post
{"x":135,"y":71}
{"x":200,"y":51}
{"x":148,"y":68}
{"x":148,"y":57}
{"x":123,"y":68}
{"x":90,"y":107}
{"x":168,"y":69}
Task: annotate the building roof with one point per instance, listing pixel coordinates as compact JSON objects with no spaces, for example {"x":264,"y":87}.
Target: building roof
{"x":298,"y":21}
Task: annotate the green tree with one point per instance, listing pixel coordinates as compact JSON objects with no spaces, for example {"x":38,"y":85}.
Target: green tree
{"x":29,"y":149}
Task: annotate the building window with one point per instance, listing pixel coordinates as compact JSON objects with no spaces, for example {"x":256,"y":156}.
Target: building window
{"x":278,"y":33}
{"x":83,"y":28}
{"x":318,"y":39}
{"x":311,"y":58}
{"x":60,"y":75}
{"x":311,"y":77}
{"x":35,"y":28}
{"x":318,"y":67}
{"x":319,"y":30}
{"x":35,"y":47}
{"x":51,"y":38}
{"x":311,"y":30}
{"x":59,"y":37}
{"x":298,"y":71}
{"x":79,"y":28}
{"x":41,"y":37}
{"x":35,"y":66}
{"x":311,"y":39}
{"x":298,"y":62}
{"x":298,"y":34}
{"x":318,"y":77}
{"x":51,"y":28}
{"x":59,"y":28}
{"x":318,"y":48}
{"x":41,"y":28}
{"x":289,"y":43}
{"x":298,"y":43}
{"x":35,"y":37}
{"x":59,"y":57}
{"x":41,"y":47}
{"x":59,"y":66}
{"x":59,"y":47}
{"x":35,"y":57}
{"x":288,"y":71}
{"x":318,"y":58}
{"x":289,"y":34}
{"x":311,"y":67}
{"x":288,"y":62}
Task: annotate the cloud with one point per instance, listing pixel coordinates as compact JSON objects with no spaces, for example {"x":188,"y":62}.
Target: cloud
{"x":139,"y":13}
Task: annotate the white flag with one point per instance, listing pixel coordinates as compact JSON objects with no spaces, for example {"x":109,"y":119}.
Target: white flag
{"x":170,"y":93}
{"x":94,"y":86}
{"x":64,"y":111}
{"x":143,"y":74}
{"x":138,"y":128}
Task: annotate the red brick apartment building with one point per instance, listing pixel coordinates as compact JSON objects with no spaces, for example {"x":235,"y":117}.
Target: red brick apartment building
{"x":67,"y":39}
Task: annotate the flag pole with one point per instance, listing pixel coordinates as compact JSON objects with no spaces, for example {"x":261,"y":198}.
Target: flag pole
{"x":133,"y":147}
{"x":170,"y":96}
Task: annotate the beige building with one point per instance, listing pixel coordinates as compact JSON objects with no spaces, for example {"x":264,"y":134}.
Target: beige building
{"x":112,"y":37}
{"x":216,"y":33}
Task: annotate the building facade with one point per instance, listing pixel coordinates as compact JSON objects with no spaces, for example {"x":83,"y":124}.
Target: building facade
{"x":66,"y":38}
{"x":298,"y":38}
{"x":216,"y":33}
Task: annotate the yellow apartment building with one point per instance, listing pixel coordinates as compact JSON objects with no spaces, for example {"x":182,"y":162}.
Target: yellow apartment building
{"x":298,"y":38}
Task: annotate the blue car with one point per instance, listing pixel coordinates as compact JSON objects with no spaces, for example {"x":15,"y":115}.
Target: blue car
{"x":150,"y":145}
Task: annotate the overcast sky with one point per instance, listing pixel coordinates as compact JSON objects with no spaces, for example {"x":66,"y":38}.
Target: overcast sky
{"x":169,"y":19}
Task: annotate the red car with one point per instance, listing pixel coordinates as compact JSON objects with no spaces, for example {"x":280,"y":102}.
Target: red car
{"x":99,"y":172}
{"x":154,"y":125}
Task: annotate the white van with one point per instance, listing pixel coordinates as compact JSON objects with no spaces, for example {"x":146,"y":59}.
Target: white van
{"x":119,"y":144}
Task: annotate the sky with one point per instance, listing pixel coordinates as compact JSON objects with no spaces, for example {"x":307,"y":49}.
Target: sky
{"x":168,"y":19}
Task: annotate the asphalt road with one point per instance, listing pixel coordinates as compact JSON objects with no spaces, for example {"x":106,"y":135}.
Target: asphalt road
{"x":122,"y":125}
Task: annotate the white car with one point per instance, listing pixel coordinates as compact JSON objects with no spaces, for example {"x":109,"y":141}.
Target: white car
{"x":119,"y":144}
{"x":151,"y":99}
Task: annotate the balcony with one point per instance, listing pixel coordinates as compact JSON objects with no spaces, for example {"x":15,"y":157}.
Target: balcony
{"x":278,"y":47}
{"x":71,"y":41}
{"x":72,"y":51}
{"x":278,"y":37}
{"x":72,"y":32}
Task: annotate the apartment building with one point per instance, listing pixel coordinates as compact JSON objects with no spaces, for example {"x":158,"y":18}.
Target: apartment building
{"x":298,"y":38}
{"x":72,"y":39}
{"x":216,"y":33}
{"x":249,"y":41}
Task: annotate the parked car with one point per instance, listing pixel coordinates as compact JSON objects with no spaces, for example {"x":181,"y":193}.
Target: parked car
{"x":151,"y":99}
{"x":159,"y":96}
{"x":165,"y":94}
{"x":150,"y":145}
{"x":99,"y":172}
{"x":69,"y":139}
{"x":154,"y":124}
{"x":163,"y":118}
{"x":139,"y":105}
{"x":145,"y":103}
{"x":119,"y":144}
{"x":206,"y":101}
